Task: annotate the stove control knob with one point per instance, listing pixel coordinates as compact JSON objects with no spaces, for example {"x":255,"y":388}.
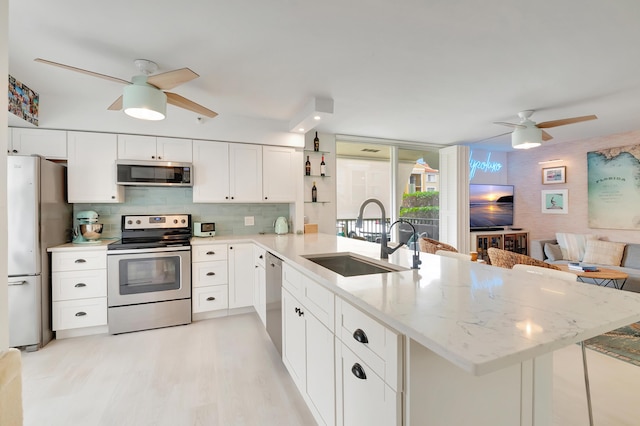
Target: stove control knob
{"x":183,"y":221}
{"x":138,"y":222}
{"x":175,"y":220}
{"x":129,"y":222}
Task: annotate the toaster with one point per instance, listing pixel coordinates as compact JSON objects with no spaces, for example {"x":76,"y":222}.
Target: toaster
{"x":204,"y":229}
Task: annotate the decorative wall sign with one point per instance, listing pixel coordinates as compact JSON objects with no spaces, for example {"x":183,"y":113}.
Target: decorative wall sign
{"x":555,"y":202}
{"x":23,"y":102}
{"x":554,"y":175}
{"x":614,"y":187}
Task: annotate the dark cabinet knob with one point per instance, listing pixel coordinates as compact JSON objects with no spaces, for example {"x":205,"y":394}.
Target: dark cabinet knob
{"x":80,"y":285}
{"x":210,"y":299}
{"x":80,"y":261}
{"x":261,"y":256}
{"x":232,"y":198}
{"x":210,"y":274}
{"x":226,"y":198}
{"x":211,"y":253}
{"x":358,"y":371}
{"x":159,"y":158}
{"x":81,"y":314}
{"x":230,"y":248}
{"x":266,"y":198}
{"x":153,"y":157}
{"x":360,"y":336}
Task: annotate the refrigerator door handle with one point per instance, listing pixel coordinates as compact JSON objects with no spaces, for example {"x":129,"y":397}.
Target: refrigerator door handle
{"x":19,"y":282}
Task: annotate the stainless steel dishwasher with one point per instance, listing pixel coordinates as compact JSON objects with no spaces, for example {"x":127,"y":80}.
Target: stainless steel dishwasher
{"x":274,"y":300}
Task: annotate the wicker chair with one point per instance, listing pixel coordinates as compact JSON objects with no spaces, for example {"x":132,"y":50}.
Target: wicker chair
{"x":506,"y":259}
{"x":428,"y":245}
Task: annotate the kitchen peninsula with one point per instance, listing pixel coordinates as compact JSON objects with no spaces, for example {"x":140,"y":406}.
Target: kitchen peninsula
{"x":476,"y":340}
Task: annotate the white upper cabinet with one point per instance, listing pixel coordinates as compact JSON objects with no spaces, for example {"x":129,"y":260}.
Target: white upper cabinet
{"x":91,"y":168}
{"x":150,"y":148}
{"x":278,"y":174}
{"x":245,"y":179}
{"x":226,"y":172}
{"x":50,"y":144}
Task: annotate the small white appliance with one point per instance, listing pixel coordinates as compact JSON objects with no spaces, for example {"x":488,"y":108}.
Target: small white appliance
{"x":204,"y":229}
{"x":281,"y":226}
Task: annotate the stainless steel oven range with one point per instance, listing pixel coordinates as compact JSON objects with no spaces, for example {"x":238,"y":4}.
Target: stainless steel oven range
{"x":149,"y":273}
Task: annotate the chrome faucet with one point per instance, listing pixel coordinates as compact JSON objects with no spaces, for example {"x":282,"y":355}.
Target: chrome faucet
{"x":384,"y":254}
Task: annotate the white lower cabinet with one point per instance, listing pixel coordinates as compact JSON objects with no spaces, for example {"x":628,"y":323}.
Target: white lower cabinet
{"x":241,"y":275}
{"x":259,"y":284}
{"x":210,"y":278}
{"x":78,"y":289}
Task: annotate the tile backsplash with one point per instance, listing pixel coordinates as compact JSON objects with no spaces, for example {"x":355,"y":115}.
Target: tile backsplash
{"x":229,"y":218}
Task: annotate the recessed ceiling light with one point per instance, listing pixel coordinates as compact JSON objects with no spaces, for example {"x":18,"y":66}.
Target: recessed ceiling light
{"x":317,"y":117}
{"x":301,"y":129}
{"x":549,"y":161}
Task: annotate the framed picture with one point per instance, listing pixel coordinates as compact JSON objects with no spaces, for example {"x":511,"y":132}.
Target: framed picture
{"x":554,"y":175}
{"x":555,"y":202}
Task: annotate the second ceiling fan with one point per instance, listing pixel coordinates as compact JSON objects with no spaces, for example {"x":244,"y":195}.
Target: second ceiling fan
{"x":145,"y":97}
{"x":528,"y":134}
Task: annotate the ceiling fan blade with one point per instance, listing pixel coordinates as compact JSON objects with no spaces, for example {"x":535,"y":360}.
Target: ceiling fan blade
{"x":503,"y":123}
{"x":185,"y":103}
{"x":546,"y":136}
{"x":117,"y":105}
{"x":169,"y":80}
{"x":562,"y":122}
{"x":80,"y":70}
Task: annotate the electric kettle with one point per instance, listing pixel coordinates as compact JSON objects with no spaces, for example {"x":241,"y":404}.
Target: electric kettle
{"x":281,"y":225}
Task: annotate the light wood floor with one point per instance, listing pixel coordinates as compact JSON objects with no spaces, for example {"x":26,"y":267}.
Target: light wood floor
{"x":226,"y":372}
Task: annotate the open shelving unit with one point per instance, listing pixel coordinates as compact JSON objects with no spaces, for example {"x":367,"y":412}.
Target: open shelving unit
{"x":508,"y":239}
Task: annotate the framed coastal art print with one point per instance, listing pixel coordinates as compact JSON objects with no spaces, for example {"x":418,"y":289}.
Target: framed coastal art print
{"x":555,"y":202}
{"x":554,"y":175}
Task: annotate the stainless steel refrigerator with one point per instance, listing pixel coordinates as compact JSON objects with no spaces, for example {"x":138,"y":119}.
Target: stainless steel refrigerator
{"x":38,"y":217}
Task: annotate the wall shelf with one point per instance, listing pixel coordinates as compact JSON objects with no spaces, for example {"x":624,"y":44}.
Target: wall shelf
{"x":317,"y":176}
{"x":317,"y":202}
{"x":310,"y":151}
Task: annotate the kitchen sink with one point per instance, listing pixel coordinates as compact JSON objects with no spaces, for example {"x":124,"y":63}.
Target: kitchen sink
{"x":350,"y":265}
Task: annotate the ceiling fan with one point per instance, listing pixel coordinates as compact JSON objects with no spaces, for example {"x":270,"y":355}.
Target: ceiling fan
{"x":527,"y":134}
{"x":145,"y":97}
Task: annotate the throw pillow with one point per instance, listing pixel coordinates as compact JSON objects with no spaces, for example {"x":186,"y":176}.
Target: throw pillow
{"x":573,"y":245}
{"x":631,"y":258}
{"x":603,"y":252}
{"x":552,"y":251}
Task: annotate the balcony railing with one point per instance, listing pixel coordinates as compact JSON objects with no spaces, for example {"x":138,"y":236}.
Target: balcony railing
{"x":371,"y":228}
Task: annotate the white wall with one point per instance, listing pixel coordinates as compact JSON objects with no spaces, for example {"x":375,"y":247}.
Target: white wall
{"x":526,"y":174}
{"x":4,"y":70}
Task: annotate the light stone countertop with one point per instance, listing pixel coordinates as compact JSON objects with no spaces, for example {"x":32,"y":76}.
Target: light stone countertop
{"x":98,"y":245}
{"x":480,"y":317}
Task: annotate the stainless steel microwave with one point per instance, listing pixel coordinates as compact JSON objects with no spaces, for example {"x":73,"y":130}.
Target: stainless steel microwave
{"x":153,"y":173}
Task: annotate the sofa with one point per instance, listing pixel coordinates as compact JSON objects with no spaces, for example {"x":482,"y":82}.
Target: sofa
{"x":628,"y":256}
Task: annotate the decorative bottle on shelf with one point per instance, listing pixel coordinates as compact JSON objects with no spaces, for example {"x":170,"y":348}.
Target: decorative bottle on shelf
{"x":307,"y":167}
{"x":316,"y":143}
{"x":314,"y":193}
{"x":323,"y":167}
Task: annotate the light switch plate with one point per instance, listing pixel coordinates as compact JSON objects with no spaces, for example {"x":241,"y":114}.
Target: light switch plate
{"x":249,"y":221}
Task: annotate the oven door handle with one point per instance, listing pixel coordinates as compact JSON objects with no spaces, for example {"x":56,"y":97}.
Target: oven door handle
{"x":154,"y":250}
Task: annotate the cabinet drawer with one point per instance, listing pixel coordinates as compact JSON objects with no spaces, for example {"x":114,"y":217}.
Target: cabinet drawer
{"x":210,"y":298}
{"x":79,"y":260}
{"x":363,"y":399}
{"x":208,"y":252}
{"x":72,"y":285}
{"x":79,"y":313}
{"x":260,"y":255}
{"x":292,"y":280}
{"x":209,"y":273}
{"x":381,"y":347}
{"x":320,"y":301}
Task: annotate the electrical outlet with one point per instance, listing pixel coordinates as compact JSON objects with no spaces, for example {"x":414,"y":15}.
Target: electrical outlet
{"x":249,"y":221}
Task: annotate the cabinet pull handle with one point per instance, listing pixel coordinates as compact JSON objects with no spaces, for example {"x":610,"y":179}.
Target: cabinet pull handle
{"x":209,"y":274}
{"x":81,"y":314}
{"x":211,"y":253}
{"x":358,"y":371}
{"x":226,"y":198}
{"x":360,"y":336}
{"x":261,"y":256}
{"x":80,"y":285}
{"x":231,"y":248}
{"x":15,"y":151}
{"x":80,"y":261}
{"x":210,"y":299}
{"x":153,"y":157}
{"x":159,"y":158}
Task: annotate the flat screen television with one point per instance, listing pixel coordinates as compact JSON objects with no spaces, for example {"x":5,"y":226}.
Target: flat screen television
{"x":490,"y":206}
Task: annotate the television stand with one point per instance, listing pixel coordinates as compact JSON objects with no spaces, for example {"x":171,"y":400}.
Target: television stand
{"x":510,"y":240}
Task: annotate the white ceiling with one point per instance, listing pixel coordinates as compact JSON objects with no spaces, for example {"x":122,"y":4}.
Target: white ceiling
{"x":438,"y":71}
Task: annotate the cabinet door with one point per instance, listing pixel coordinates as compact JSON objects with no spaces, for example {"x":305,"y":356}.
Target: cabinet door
{"x":365,"y":400}
{"x":278,"y":174}
{"x":210,"y":172}
{"x":48,"y":143}
{"x":241,"y":275}
{"x":245,"y":172}
{"x":173,"y":149}
{"x":136,"y":147}
{"x":293,"y":339}
{"x":320,"y":368}
{"x":259,"y":293}
{"x":91,"y":169}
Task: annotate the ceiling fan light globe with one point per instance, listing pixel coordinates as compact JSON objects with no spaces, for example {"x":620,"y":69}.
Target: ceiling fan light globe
{"x":144,"y":102}
{"x":527,"y":138}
